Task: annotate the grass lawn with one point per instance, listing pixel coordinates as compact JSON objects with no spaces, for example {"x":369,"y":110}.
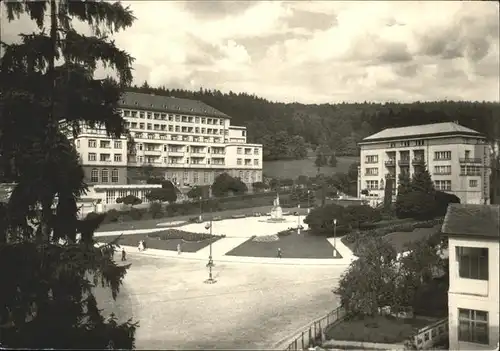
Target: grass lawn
{"x":377,"y":329}
{"x":292,"y":246}
{"x":156,"y":243}
{"x":399,"y":239}
{"x":294,"y":168}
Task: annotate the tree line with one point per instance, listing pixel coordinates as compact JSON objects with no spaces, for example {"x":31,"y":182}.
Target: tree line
{"x":287,"y":130}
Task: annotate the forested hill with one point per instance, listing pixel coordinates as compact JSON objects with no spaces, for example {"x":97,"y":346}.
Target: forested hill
{"x":287,"y":130}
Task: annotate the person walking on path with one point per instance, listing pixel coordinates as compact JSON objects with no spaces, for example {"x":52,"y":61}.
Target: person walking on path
{"x":279,"y":252}
{"x":124,"y":255}
{"x":178,"y":249}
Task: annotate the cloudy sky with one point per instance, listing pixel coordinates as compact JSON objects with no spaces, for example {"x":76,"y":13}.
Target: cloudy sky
{"x":317,"y":51}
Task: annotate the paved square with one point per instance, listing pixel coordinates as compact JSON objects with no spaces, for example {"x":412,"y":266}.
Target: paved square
{"x":252,"y":306}
{"x":246,"y":227}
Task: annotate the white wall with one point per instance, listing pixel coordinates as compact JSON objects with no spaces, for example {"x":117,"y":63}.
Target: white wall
{"x":474,"y":294}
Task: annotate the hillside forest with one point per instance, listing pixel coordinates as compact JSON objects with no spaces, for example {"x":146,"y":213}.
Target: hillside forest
{"x":287,"y":130}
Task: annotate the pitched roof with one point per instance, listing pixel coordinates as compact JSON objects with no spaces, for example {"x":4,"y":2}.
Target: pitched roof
{"x":421,"y":130}
{"x":168,"y":104}
{"x":472,"y":220}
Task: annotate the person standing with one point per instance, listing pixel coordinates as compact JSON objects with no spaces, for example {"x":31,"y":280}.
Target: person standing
{"x":279,"y":252}
{"x":178,"y":249}
{"x":124,"y":255}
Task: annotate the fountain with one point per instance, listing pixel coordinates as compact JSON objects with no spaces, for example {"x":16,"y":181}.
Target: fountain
{"x":276,"y":211}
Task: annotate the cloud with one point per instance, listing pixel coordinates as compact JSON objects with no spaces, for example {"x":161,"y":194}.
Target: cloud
{"x":316,"y":51}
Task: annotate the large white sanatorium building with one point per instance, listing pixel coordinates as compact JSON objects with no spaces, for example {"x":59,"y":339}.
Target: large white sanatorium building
{"x":458,"y":159}
{"x":186,"y":141}
{"x":473,"y":295}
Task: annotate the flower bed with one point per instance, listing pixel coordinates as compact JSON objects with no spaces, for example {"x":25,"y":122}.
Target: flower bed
{"x":171,"y":234}
{"x":265,"y":238}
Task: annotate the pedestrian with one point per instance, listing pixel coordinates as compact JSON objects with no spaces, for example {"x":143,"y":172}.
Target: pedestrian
{"x":124,"y":255}
{"x":279,"y":252}
{"x":143,"y":245}
{"x":178,"y":249}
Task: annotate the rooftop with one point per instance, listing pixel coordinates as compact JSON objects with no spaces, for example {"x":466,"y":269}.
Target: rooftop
{"x":472,"y":220}
{"x":446,"y":128}
{"x":168,"y":104}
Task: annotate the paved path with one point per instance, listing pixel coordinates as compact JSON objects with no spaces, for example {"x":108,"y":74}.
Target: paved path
{"x":250,"y":307}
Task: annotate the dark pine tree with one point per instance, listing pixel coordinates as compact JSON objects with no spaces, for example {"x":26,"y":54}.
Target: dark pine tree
{"x":47,"y":82}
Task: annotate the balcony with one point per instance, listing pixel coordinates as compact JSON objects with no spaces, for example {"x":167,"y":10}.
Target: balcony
{"x":176,"y":153}
{"x":390,"y":163}
{"x":471,"y":160}
{"x":390,"y":176}
{"x":152,"y":152}
{"x":442,"y":173}
{"x":404,"y":162}
{"x":418,"y":161}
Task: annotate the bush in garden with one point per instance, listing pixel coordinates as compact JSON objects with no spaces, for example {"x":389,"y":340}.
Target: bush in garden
{"x":131,"y":200}
{"x":155,"y":210}
{"x":111,"y":216}
{"x":135,"y":214}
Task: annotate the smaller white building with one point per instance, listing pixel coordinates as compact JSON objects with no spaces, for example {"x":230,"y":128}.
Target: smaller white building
{"x":473,"y":294}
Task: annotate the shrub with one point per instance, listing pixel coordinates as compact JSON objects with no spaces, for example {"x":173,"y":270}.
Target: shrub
{"x":135,"y":214}
{"x":286,"y":232}
{"x":111,"y":216}
{"x":416,"y":204}
{"x":155,"y":210}
{"x":131,"y":200}
{"x":442,"y":201}
{"x":119,"y":200}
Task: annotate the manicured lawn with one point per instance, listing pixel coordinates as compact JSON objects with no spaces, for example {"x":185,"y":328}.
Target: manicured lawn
{"x":155,"y":243}
{"x":292,"y":246}
{"x":377,"y":329}
{"x":399,"y":240}
{"x":294,"y":168}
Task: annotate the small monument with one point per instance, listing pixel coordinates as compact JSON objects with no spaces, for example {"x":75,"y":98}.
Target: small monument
{"x":276,"y":211}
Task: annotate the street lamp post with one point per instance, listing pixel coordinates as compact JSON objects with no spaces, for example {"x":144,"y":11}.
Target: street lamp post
{"x":335,"y":238}
{"x":308,"y":201}
{"x":298,"y":219}
{"x":210,"y":263}
{"x":201,"y":210}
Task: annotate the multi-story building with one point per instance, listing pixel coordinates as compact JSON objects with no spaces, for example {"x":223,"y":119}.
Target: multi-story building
{"x":473,"y":233}
{"x":458,"y":159}
{"x":183,"y":140}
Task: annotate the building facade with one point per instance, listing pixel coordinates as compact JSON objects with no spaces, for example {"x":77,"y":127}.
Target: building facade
{"x":457,"y":158}
{"x":185,"y":141}
{"x":473,"y":296}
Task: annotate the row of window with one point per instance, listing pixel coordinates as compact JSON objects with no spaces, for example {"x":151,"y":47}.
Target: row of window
{"x":194,"y":149}
{"x":172,"y":117}
{"x":175,"y":160}
{"x":439,"y":170}
{"x":438,"y":156}
{"x":407,"y":143}
{"x":177,"y":129}
{"x":92,"y":156}
{"x":94,"y":175}
{"x":443,"y":185}
{"x":174,"y":137}
{"x":103,"y":144}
